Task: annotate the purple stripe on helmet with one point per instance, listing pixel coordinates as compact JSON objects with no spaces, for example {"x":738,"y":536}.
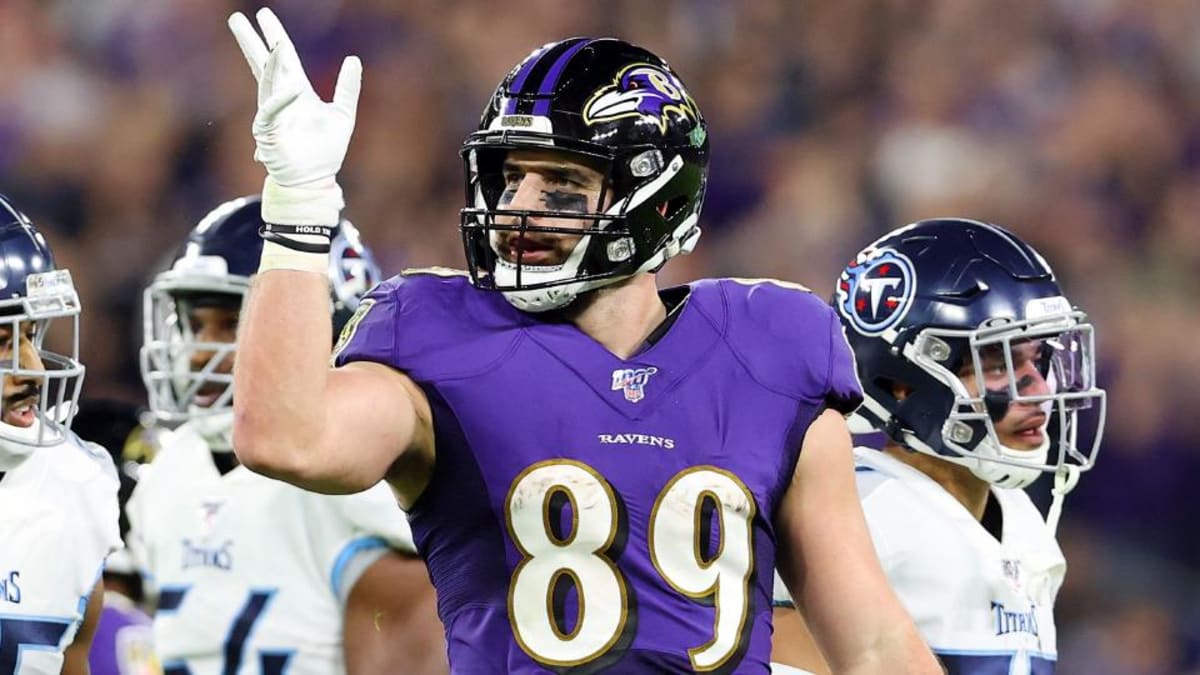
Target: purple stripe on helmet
{"x":542,"y":107}
{"x":519,"y":81}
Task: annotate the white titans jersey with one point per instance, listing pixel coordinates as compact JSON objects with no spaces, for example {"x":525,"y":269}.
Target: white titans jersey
{"x":252,"y":573}
{"x":58,"y":522}
{"x":984,"y":606}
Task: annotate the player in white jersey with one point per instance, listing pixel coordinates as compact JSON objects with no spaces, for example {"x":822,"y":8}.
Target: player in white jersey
{"x":124,"y":640}
{"x":58,"y":494}
{"x":975,"y":367}
{"x":336,"y":587}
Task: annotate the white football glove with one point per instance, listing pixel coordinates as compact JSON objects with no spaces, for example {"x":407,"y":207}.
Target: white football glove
{"x":300,"y":139}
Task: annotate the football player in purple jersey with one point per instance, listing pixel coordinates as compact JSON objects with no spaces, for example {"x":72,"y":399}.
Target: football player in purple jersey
{"x":599,"y":474}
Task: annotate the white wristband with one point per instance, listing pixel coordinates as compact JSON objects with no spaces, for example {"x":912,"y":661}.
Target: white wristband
{"x":319,"y":204}
{"x":277,"y":257}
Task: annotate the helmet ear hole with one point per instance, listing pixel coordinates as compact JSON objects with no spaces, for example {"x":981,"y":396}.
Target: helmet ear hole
{"x":673,"y":207}
{"x":896,"y":388}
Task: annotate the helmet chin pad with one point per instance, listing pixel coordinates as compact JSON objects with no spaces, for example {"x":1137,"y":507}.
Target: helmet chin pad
{"x":214,"y":426}
{"x":989,"y":464}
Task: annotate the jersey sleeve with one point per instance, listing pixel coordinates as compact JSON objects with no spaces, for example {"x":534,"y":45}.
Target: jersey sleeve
{"x":843,"y":392}
{"x":101,"y":496}
{"x":136,"y":537}
{"x":370,"y":333}
{"x":884,"y":510}
{"x":791,"y":342}
{"x":92,"y":477}
{"x":375,"y":525}
{"x":430,"y":324}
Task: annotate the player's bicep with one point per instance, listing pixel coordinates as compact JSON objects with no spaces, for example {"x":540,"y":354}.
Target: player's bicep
{"x":385,"y":418}
{"x":826,"y":555}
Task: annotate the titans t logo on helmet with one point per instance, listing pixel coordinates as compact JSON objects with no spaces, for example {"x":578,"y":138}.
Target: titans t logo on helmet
{"x":641,"y":90}
{"x":875,"y":290}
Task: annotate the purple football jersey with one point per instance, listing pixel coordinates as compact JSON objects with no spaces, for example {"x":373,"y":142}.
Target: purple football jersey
{"x":589,"y":513}
{"x":124,"y":640}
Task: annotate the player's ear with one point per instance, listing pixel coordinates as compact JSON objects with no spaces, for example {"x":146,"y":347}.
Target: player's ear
{"x":900,"y":390}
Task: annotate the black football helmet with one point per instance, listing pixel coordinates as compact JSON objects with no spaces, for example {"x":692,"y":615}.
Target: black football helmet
{"x":613,"y":106}
{"x":33,"y":291}
{"x":214,"y":267}
{"x":928,"y":298}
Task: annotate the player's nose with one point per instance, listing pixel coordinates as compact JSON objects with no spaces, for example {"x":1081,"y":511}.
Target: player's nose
{"x":527,"y":196}
{"x":1031,"y":382}
{"x":211,"y":342}
{"x":30,"y":357}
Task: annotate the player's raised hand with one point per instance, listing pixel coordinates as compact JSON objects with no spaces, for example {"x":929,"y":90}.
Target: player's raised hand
{"x":299,"y":138}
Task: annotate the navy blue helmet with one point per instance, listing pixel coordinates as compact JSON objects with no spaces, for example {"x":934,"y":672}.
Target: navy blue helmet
{"x":33,"y":293}
{"x":928,"y":299}
{"x":610,"y":105}
{"x":213,"y":268}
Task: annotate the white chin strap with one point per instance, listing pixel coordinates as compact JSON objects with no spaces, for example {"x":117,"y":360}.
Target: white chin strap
{"x":14,"y":448}
{"x":1001,"y":473}
{"x":216,"y":428}
{"x":541,"y":299}
{"x":1065,"y":480}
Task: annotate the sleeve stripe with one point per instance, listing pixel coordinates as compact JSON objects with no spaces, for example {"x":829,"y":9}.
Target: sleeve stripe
{"x":348,"y":552}
{"x":170,"y":598}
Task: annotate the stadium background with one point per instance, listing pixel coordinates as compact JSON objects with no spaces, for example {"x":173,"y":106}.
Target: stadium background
{"x":1075,"y":123}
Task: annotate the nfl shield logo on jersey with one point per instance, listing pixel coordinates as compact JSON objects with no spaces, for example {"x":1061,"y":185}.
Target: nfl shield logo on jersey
{"x":632,"y":381}
{"x":208,"y":516}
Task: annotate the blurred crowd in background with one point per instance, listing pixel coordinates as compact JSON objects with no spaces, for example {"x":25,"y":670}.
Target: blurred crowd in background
{"x":1075,"y":123}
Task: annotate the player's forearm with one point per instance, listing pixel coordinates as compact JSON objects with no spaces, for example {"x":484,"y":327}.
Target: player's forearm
{"x":280,"y":375}
{"x":896,"y":649}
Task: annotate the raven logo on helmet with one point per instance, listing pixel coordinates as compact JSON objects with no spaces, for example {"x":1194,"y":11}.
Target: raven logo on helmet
{"x":876,"y":290}
{"x":641,"y":90}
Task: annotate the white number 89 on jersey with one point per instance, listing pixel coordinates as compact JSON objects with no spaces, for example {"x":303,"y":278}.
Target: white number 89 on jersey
{"x":583,"y":558}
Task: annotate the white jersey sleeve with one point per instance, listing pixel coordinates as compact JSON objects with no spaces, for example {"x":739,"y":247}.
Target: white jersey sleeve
{"x":252,"y":572}
{"x":135,"y":539}
{"x":376,"y":525}
{"x":58,"y":522}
